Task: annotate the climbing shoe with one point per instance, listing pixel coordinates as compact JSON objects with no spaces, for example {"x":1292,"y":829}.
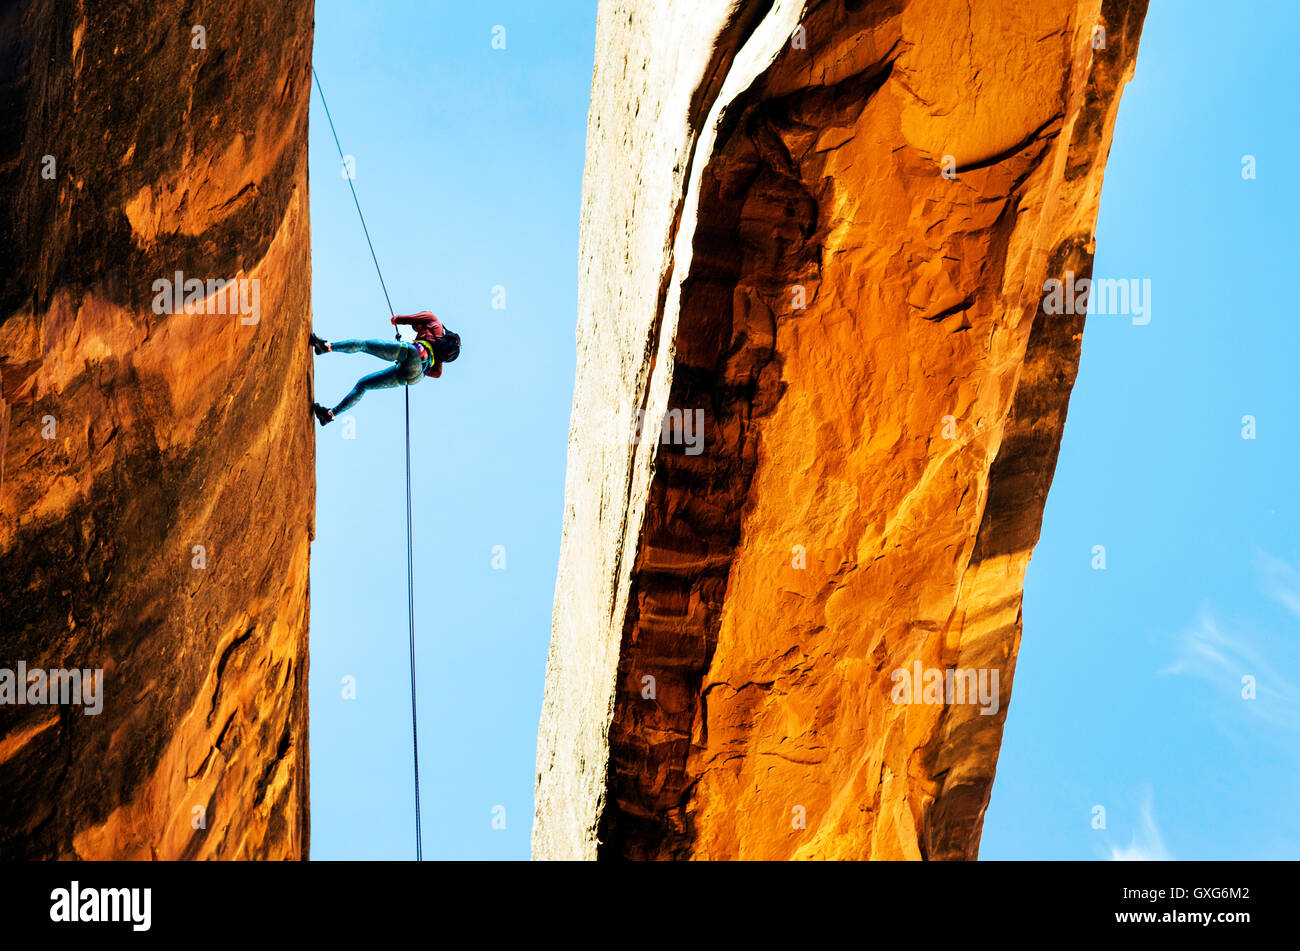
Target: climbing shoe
{"x":323,"y":416}
{"x":319,"y":345}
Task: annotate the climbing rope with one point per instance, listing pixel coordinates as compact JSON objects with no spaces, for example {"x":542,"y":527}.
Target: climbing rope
{"x":410,"y":547}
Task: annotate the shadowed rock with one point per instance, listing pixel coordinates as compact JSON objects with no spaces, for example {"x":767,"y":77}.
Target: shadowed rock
{"x":156,"y":468}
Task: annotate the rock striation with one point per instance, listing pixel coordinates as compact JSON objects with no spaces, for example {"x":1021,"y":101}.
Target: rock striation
{"x":818,"y":408}
{"x":156,"y":453}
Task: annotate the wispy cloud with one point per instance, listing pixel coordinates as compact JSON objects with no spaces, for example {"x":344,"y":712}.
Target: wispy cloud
{"x":1223,"y":658}
{"x":1282,"y":582}
{"x":1146,"y":845}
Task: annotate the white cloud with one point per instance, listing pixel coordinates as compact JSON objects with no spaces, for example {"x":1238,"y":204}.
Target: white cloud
{"x":1222,"y":657}
{"x":1282,"y":582}
{"x":1146,"y":845}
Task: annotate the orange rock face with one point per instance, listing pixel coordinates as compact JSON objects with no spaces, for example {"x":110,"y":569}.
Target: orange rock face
{"x":157,"y":476}
{"x":872,"y":197}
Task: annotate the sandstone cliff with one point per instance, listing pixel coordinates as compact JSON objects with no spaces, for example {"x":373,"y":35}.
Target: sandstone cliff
{"x":771,"y":246}
{"x":156,"y":469}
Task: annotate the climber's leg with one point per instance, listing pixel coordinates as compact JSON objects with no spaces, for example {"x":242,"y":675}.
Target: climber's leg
{"x":393,"y":376}
{"x":384,"y":350}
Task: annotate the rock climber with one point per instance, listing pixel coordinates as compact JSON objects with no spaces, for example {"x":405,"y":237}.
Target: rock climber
{"x":433,"y":346}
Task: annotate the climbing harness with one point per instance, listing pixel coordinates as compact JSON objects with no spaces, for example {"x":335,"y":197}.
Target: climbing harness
{"x":410,"y":549}
{"x":426,"y":354}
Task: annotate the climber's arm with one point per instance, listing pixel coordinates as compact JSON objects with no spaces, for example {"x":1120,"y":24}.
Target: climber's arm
{"x":434,"y":371}
{"x":423,"y":319}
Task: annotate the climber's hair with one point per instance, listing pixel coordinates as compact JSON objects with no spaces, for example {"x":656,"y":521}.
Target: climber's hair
{"x":447,"y":347}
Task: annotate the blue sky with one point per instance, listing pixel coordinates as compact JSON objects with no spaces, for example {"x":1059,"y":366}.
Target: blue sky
{"x":1128,"y":690}
{"x":469,"y":169}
